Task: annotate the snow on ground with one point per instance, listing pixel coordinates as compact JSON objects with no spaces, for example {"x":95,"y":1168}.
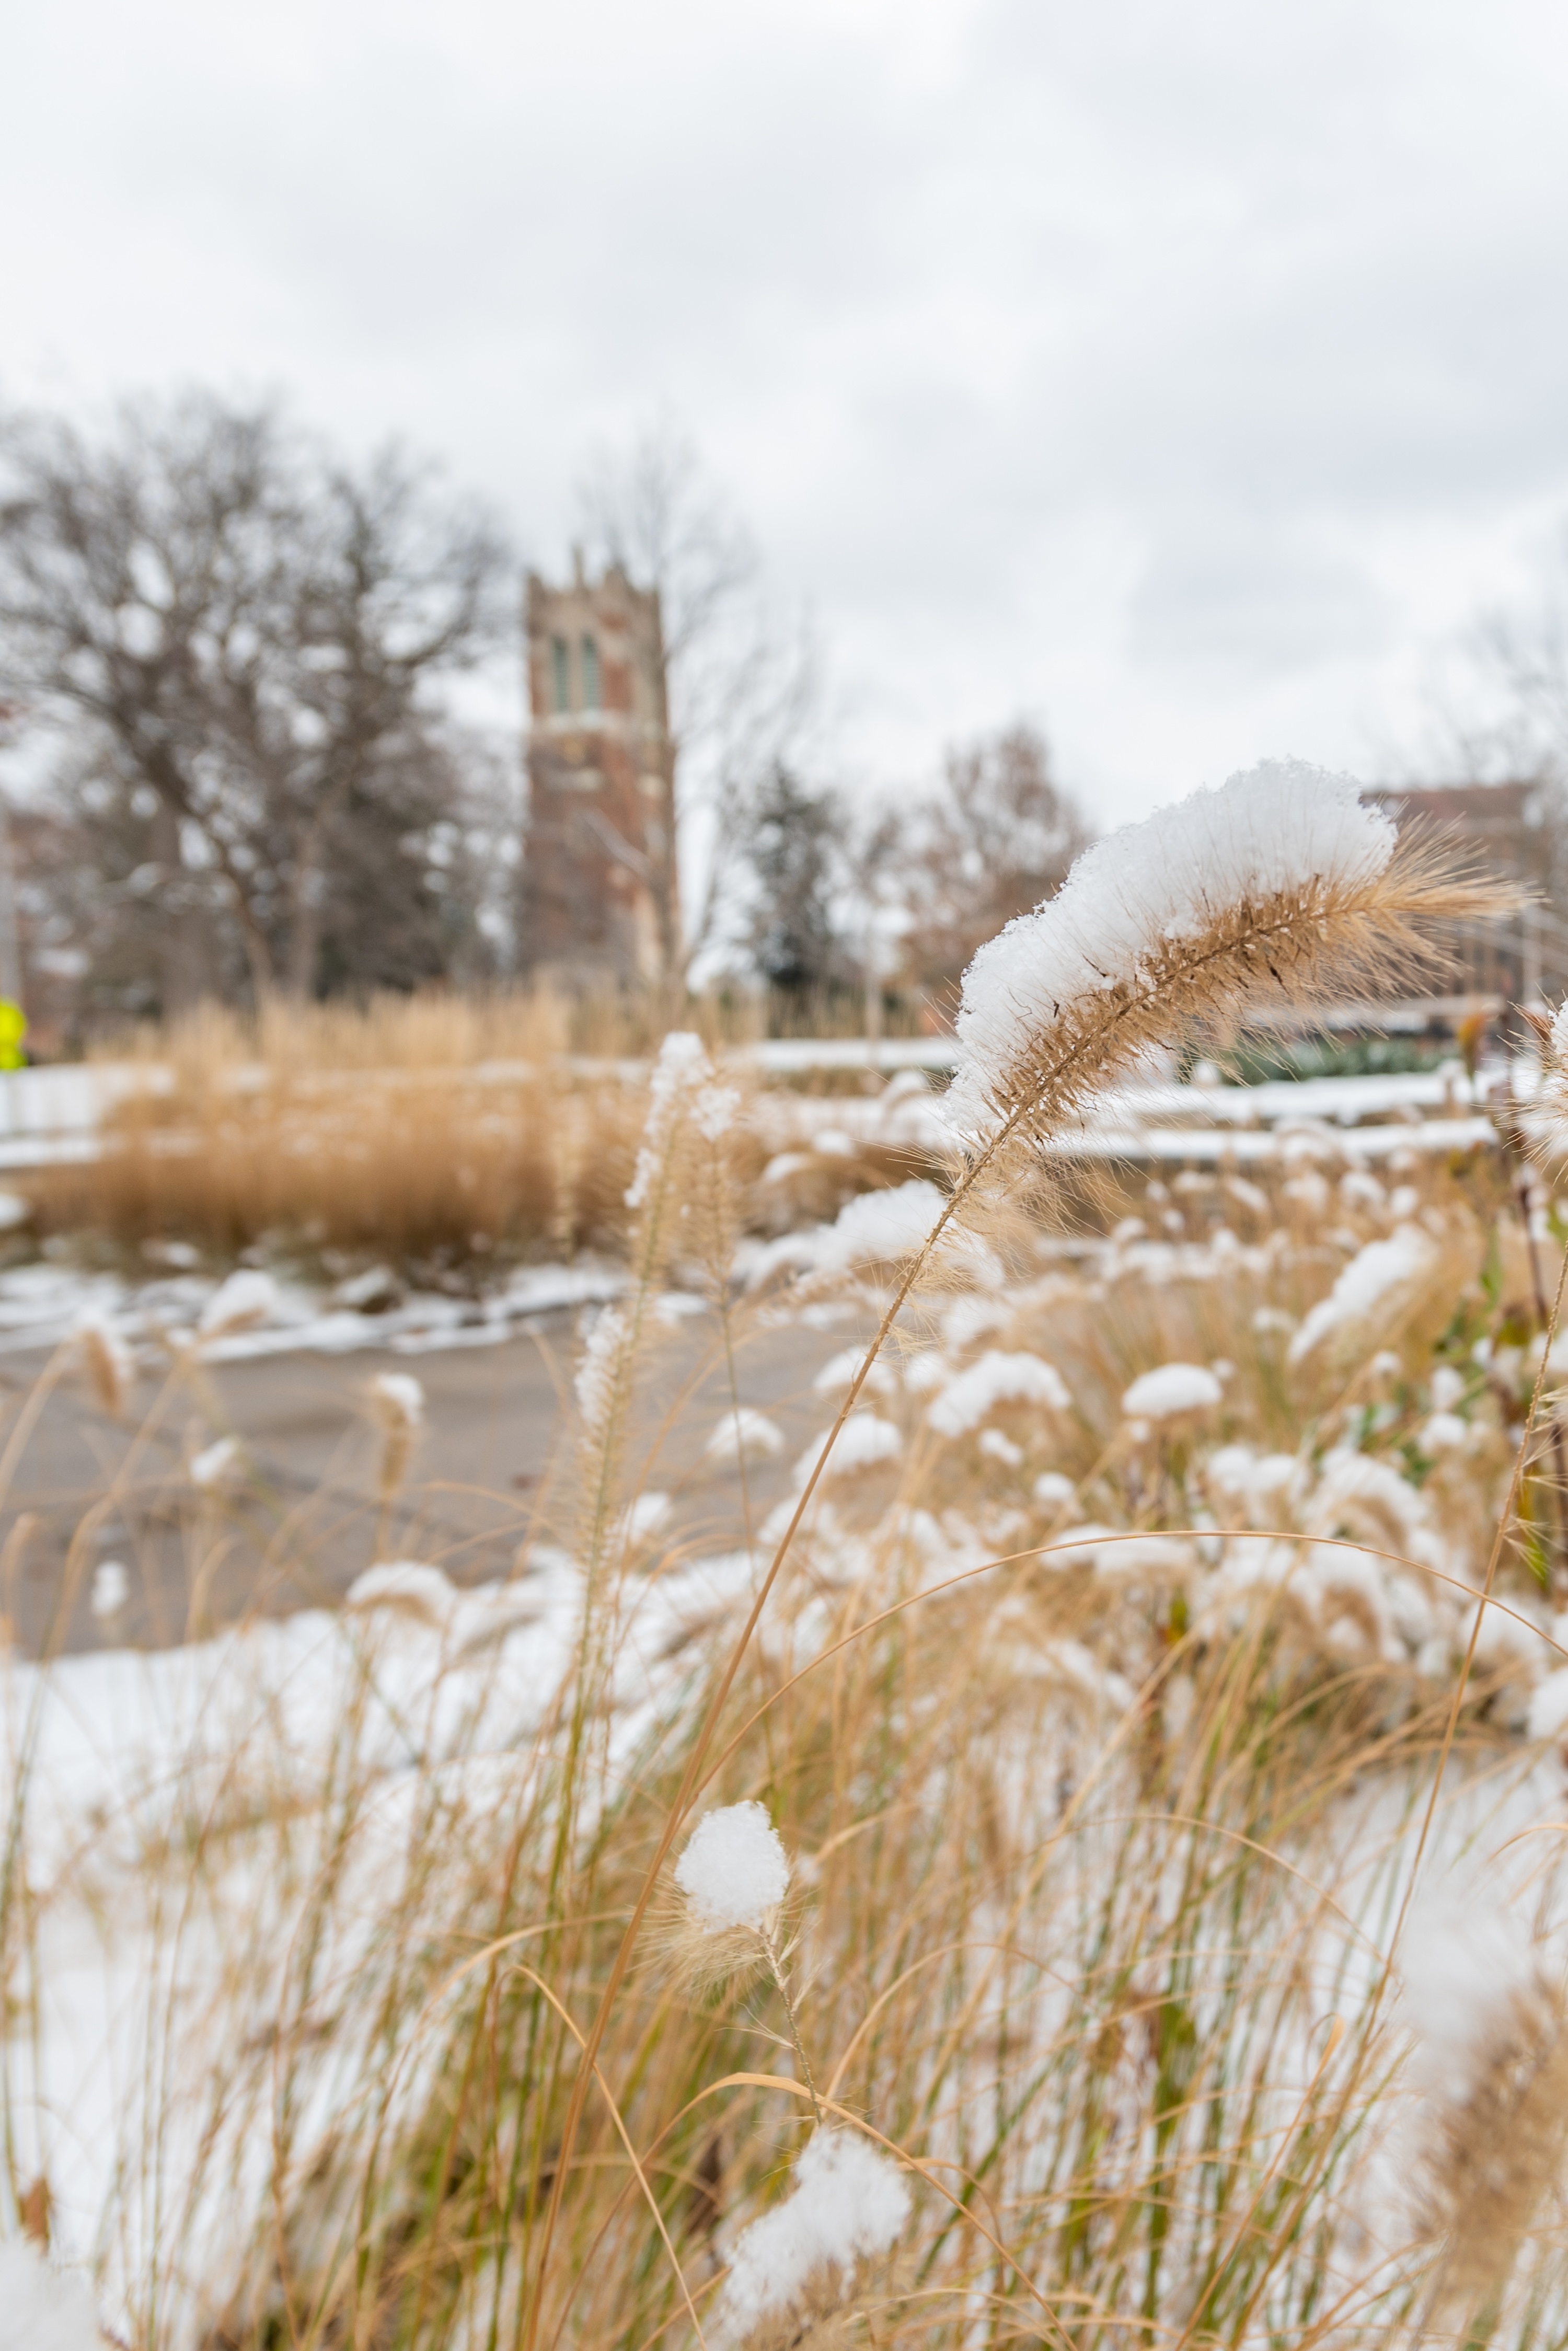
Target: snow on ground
{"x":43,"y":1304}
{"x":178,"y":1807}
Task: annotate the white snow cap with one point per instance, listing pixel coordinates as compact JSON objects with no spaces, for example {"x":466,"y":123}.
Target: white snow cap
{"x":863,"y":1443}
{"x":406,"y":1586}
{"x":646,"y":1515}
{"x":734,"y":1870}
{"x":996,"y":1378}
{"x":44,"y":2310}
{"x":110,"y":1588}
{"x":93,"y":1324}
{"x":744,"y":1435}
{"x":246,"y":1299}
{"x":216,"y":1464}
{"x":880,"y":1226}
{"x":840,"y":1369}
{"x":849,"y":2201}
{"x":1171,"y":1389}
{"x":1465,"y":1956}
{"x":400,"y":1396}
{"x":682,"y":1064}
{"x":1372,"y":1277}
{"x":1281,"y":826}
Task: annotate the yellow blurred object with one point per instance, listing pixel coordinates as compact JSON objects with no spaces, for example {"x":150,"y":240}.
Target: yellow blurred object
{"x":1472,"y":1035}
{"x":13,"y":1028}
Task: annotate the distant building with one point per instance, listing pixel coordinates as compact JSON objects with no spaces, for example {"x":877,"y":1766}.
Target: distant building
{"x":600,"y":901}
{"x":1503,"y":825}
{"x":1508,"y":829}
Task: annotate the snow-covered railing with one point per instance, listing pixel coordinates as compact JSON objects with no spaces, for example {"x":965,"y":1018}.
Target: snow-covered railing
{"x":1367,"y":1118}
{"x":788,"y":1057}
{"x":52,"y":1116}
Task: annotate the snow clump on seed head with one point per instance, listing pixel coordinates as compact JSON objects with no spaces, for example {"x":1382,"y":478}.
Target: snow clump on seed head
{"x":1371,"y":1283}
{"x":1491,"y":2076}
{"x":1282,"y":830}
{"x":110,"y":1588}
{"x":217,"y":1465}
{"x":682,"y":1064}
{"x":863,"y":1442}
{"x":1171,"y":1390}
{"x":103,"y":1351}
{"x":848,"y":2203}
{"x":1550,"y":1106}
{"x":878,"y":1228}
{"x":735,"y":1871}
{"x":744,"y":1435}
{"x":997,"y":1379}
{"x":715,"y":1112}
{"x":246,"y":1299}
{"x":398,"y":1399}
{"x":44,"y":2309}
{"x":598,"y":1371}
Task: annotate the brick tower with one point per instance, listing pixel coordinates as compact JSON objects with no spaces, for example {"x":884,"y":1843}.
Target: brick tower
{"x":599,"y":899}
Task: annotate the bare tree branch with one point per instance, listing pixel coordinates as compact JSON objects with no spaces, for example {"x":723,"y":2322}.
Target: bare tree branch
{"x":739,"y":692}
{"x":249,"y":631}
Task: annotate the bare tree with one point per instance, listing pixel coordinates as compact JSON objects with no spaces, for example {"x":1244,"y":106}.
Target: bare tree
{"x":739,"y":692}
{"x":997,"y":837}
{"x":242,"y":635}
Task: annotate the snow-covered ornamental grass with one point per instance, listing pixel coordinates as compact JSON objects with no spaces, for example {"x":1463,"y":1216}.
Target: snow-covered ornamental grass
{"x":987,"y":1908}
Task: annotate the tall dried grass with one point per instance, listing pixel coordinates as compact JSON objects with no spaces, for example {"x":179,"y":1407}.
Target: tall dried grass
{"x":1092,"y":1894}
{"x":1091,"y":1885}
{"x":437,"y":1130}
{"x":1103,"y":1830}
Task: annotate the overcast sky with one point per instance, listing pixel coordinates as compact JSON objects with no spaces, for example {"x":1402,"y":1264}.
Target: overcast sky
{"x":1180,"y":374}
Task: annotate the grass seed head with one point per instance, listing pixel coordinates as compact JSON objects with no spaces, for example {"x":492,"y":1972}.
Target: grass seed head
{"x":1278,"y":883}
{"x":723,"y":1918}
{"x":106,"y":1359}
{"x":848,"y":2203}
{"x":397,"y":1402}
{"x":1494,"y":2058}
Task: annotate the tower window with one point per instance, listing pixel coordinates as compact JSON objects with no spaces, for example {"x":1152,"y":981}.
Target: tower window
{"x":592,"y":697}
{"x":560,"y":672}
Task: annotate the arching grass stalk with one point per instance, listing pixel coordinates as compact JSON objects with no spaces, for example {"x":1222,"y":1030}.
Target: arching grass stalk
{"x":1280,"y":885}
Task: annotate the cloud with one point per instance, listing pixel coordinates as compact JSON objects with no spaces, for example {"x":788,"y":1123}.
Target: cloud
{"x":1242,"y":601}
{"x":1174,"y":374}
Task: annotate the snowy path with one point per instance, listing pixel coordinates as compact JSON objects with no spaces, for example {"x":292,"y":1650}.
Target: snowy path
{"x":304,"y":1523}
